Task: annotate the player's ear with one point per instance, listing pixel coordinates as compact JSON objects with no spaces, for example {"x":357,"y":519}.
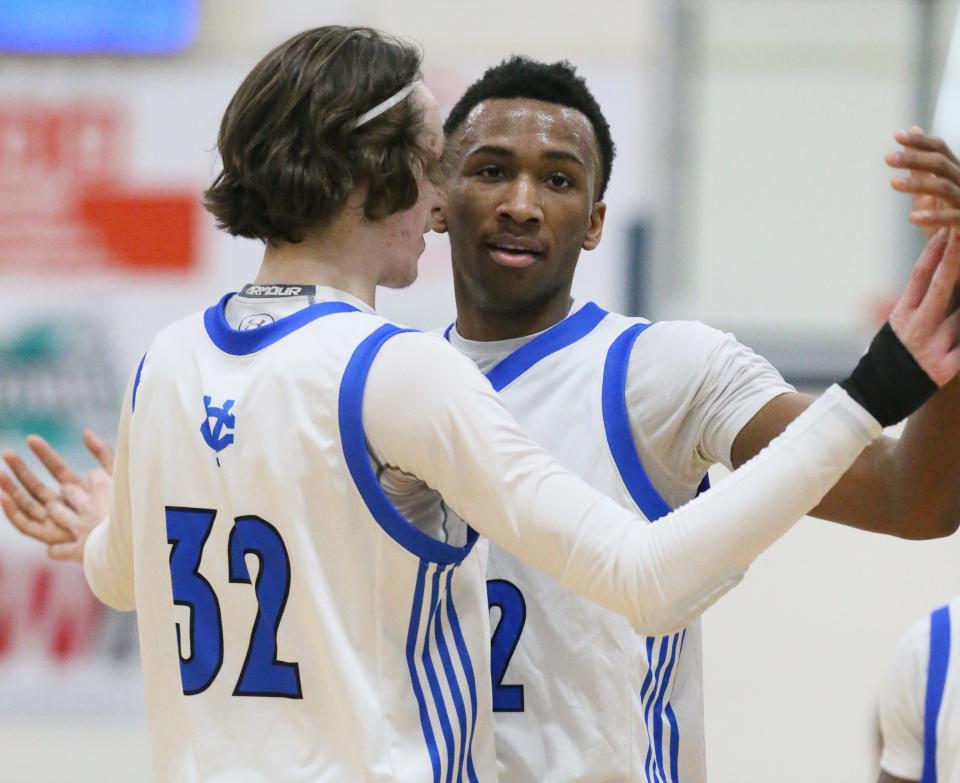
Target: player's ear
{"x":595,"y":229}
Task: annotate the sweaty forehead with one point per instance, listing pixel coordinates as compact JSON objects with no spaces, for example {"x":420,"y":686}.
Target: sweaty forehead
{"x":528,"y":124}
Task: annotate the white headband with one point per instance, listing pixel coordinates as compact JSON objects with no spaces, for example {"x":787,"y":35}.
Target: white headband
{"x":380,"y":108}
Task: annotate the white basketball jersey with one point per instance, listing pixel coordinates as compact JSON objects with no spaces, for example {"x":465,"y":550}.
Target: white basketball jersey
{"x":920,"y":711}
{"x":942,"y":698}
{"x":578,"y":694}
{"x":294,"y":627}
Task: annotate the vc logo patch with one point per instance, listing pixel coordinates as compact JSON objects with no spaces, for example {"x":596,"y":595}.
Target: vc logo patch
{"x":217,"y":420}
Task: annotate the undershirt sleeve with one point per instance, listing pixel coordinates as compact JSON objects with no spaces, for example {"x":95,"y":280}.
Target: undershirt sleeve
{"x":901,"y":705}
{"x":428,"y":411}
{"x":108,"y":551}
{"x":690,"y":390}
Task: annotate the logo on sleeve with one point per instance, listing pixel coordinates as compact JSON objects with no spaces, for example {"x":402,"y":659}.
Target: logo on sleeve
{"x":217,"y":420}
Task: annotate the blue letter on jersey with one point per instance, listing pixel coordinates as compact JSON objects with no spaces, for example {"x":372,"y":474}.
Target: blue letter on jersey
{"x":222,"y":418}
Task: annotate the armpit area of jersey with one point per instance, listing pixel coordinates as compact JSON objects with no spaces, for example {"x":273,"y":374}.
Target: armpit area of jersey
{"x":422,"y":506}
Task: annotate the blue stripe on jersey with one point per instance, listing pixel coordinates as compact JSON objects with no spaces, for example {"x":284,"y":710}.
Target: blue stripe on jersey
{"x":136,"y":384}
{"x":674,"y":728}
{"x":240,"y":343}
{"x":619,"y":434}
{"x":434,"y":682}
{"x":358,"y":460}
{"x":413,"y":633}
{"x":658,"y":671}
{"x":658,"y":707}
{"x":558,"y":336}
{"x":936,"y":679}
{"x":452,"y":682}
{"x":467,"y":665}
{"x":616,"y":423}
{"x":648,"y":680}
{"x":446,"y":333}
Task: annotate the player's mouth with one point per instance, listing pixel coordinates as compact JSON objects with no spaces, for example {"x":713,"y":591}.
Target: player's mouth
{"x":516,"y":252}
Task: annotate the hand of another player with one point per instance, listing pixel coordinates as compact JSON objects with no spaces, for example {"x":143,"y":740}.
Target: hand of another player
{"x":934,"y":180}
{"x":61,"y":520}
{"x":926,"y":317}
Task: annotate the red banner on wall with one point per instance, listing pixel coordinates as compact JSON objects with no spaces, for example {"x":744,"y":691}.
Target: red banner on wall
{"x":67,"y":203}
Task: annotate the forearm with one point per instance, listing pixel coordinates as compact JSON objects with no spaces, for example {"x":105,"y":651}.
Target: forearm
{"x":908,"y":487}
{"x":925,"y":468}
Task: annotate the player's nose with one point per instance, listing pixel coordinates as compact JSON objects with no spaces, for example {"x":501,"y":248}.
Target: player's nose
{"x":521,"y":202}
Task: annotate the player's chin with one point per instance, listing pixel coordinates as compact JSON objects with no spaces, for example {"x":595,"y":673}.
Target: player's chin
{"x":401,"y":278}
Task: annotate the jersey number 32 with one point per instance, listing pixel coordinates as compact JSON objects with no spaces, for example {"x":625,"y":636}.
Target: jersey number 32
{"x":262,"y":673}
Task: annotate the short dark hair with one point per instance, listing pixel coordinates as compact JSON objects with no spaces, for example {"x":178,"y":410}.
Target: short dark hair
{"x":521,"y":77}
{"x":289,"y":151}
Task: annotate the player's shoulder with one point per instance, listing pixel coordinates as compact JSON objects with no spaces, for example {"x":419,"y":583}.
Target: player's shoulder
{"x":672,"y":331}
{"x":173,"y":335}
{"x":169,"y":343}
{"x":682,"y":344}
{"x":428,"y":353}
{"x":425,"y":374}
{"x":687,"y":332}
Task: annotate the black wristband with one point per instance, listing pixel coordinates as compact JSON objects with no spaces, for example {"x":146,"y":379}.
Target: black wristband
{"x":887,"y":382}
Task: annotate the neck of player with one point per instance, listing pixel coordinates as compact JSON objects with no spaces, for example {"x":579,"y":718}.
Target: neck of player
{"x":345,"y":254}
{"x":486,"y":323}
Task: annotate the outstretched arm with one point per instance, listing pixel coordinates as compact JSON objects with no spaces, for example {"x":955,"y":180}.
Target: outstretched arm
{"x":908,"y":487}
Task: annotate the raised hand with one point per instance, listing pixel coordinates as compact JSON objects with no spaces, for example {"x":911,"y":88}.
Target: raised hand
{"x":926,"y":318}
{"x":934,"y":180}
{"x":60,"y":519}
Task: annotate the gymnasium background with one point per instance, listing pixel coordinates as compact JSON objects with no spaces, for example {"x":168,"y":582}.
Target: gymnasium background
{"x":749,"y":192}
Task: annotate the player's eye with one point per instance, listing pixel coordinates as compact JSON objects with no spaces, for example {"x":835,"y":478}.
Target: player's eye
{"x":559,"y":181}
{"x":490,"y":172}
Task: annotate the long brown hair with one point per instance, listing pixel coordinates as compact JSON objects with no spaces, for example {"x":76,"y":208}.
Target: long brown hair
{"x":289,"y":151}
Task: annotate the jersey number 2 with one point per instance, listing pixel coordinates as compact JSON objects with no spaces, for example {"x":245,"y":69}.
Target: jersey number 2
{"x":262,"y":674}
{"x":507,"y":597}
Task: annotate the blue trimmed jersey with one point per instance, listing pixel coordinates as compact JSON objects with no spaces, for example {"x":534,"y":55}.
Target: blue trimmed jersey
{"x":578,"y":695}
{"x":920,"y":706}
{"x":293,"y":626}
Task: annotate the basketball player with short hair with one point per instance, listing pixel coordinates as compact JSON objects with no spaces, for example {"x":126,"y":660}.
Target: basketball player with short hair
{"x":293,"y":624}
{"x":639,"y":410}
{"x":920,"y":705}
